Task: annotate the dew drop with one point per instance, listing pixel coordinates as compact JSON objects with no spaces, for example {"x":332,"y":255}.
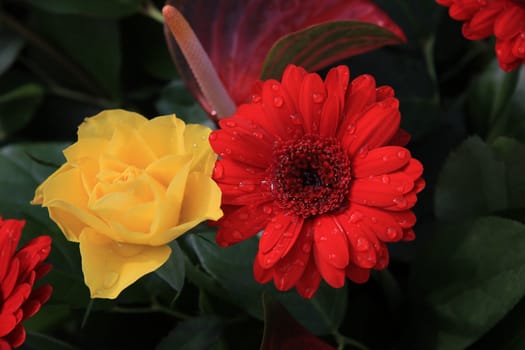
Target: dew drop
{"x":391,"y":232}
{"x":288,"y":234}
{"x":256,"y":98}
{"x":385,"y":179}
{"x":277,"y":226}
{"x":267,"y":209}
{"x":317,"y":97}
{"x":218,"y":171}
{"x":351,"y":128}
{"x":237,"y":235}
{"x":323,"y":238}
{"x":230,"y":123}
{"x":275,"y":87}
{"x":111,"y":279}
{"x":400,"y":202}
{"x":258,"y":135}
{"x":246,"y":186}
{"x":213,"y":136}
{"x":269,"y":261}
{"x":296,"y":119}
{"x":373,"y":219}
{"x":278,"y":101}
{"x":309,"y":292}
{"x":363,"y":152}
{"x":306,"y":248}
{"x":331,"y":256}
{"x":402,"y":154}
{"x":228,"y":150}
{"x":194,"y":145}
{"x":362,"y":244}
{"x":355,"y":217}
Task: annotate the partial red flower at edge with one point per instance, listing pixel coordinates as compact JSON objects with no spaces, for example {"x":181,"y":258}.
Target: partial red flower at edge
{"x":320,"y":168}
{"x":234,"y":33}
{"x":505,"y":19}
{"x":19,"y":270}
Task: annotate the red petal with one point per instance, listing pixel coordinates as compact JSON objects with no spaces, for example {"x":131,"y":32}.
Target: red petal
{"x":330,"y":241}
{"x":278,"y":238}
{"x":7,"y":323}
{"x":310,"y":280}
{"x":361,"y":94}
{"x":334,"y":276}
{"x":289,"y":269}
{"x":260,"y":274}
{"x":362,"y":243}
{"x":17,"y":337}
{"x":32,"y":254}
{"x":357,"y":274}
{"x":510,"y":22}
{"x":379,"y":161}
{"x":464,"y":10}
{"x":17,"y":298}
{"x":375,"y":128}
{"x":10,"y":232}
{"x":10,"y":279}
{"x":242,"y":223}
{"x":3,"y":344}
{"x":312,"y":97}
{"x":373,"y":193}
{"x":336,"y":83}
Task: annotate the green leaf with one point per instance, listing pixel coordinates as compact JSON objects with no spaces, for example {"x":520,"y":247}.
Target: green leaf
{"x":40,"y":341}
{"x":198,"y":333}
{"x":175,"y":98}
{"x":488,"y":97}
{"x":232,"y":268}
{"x":17,"y":108}
{"x":471,"y":183}
{"x":173,"y":272}
{"x":469,"y":277}
{"x":91,"y":44}
{"x":513,"y":153}
{"x":11,"y":46}
{"x":96,"y":8}
{"x":313,"y":47}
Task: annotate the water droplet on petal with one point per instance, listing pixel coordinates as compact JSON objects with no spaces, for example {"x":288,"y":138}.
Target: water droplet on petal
{"x":308,"y":292}
{"x":246,"y":186}
{"x":275,"y":87}
{"x":277,"y":226}
{"x":278,"y":101}
{"x":400,"y":202}
{"x":237,"y":235}
{"x":323,"y":238}
{"x":256,"y":98}
{"x":391,"y":232}
{"x":317,"y":97}
{"x":373,"y":219}
{"x":218,"y":171}
{"x":258,"y":135}
{"x":194,"y":145}
{"x":230,"y":123}
{"x":401,"y":154}
{"x":296,"y":119}
{"x":288,"y":234}
{"x":268,"y":261}
{"x":351,"y":128}
{"x":267,"y":209}
{"x":213,"y":136}
{"x":306,"y":248}
{"x":363,"y":152}
{"x":331,"y":256}
{"x":228,"y":150}
{"x":362,"y":244}
{"x":111,"y":279}
{"x":385,"y":179}
{"x":355,"y":217}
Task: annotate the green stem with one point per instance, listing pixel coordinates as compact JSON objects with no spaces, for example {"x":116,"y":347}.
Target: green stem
{"x":151,"y":309}
{"x":52,"y":52}
{"x":343,"y":341}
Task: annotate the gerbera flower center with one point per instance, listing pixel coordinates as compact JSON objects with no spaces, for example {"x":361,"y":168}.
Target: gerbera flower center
{"x":310,"y":175}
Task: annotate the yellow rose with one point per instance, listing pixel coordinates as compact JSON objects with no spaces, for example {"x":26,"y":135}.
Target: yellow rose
{"x":128,"y":188}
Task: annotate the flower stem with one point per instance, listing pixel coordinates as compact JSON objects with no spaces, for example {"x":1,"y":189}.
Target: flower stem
{"x":151,"y":11}
{"x":199,"y":62}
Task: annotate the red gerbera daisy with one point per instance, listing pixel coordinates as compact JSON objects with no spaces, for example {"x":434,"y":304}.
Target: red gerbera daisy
{"x":319,"y":167}
{"x":503,"y":18}
{"x":18,"y":273}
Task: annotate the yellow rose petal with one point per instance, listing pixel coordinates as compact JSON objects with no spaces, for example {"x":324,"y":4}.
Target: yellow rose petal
{"x":164,"y":135}
{"x":104,"y":124}
{"x":109,"y":266}
{"x":64,"y":196}
{"x":196,"y":141}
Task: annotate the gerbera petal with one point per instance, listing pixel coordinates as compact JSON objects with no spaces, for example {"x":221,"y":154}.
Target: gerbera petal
{"x":330,"y":241}
{"x":463,"y":10}
{"x":336,"y":83}
{"x":334,"y":276}
{"x":379,"y":161}
{"x":278,"y":238}
{"x":243,"y":223}
{"x":289,"y":269}
{"x":384,"y":225}
{"x":510,"y":22}
{"x":360,"y":95}
{"x":310,"y":280}
{"x":261,"y":274}
{"x":311,"y":100}
{"x":357,"y":274}
{"x":226,"y":145}
{"x":10,"y":233}
{"x":375,"y":128}
{"x":372,"y":193}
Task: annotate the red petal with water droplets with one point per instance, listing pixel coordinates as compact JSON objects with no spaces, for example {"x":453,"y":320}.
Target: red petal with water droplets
{"x":278,"y":238}
{"x":10,"y":232}
{"x":242,"y":223}
{"x":330,"y":241}
{"x":10,"y":279}
{"x":17,"y":298}
{"x":276,"y":102}
{"x":379,"y":161}
{"x":382,"y":223}
{"x":244,"y":31}
{"x":289,"y":269}
{"x":362,"y":242}
{"x":311,"y":100}
{"x":260,"y":274}
{"x":32,"y":254}
{"x":375,"y":128}
{"x":334,"y":276}
{"x":510,"y":22}
{"x":336,"y":83}
{"x":310,"y":280}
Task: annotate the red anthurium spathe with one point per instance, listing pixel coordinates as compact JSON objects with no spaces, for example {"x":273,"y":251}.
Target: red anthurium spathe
{"x":19,"y":270}
{"x":319,"y":167}
{"x":505,"y":19}
{"x":237,"y":35}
